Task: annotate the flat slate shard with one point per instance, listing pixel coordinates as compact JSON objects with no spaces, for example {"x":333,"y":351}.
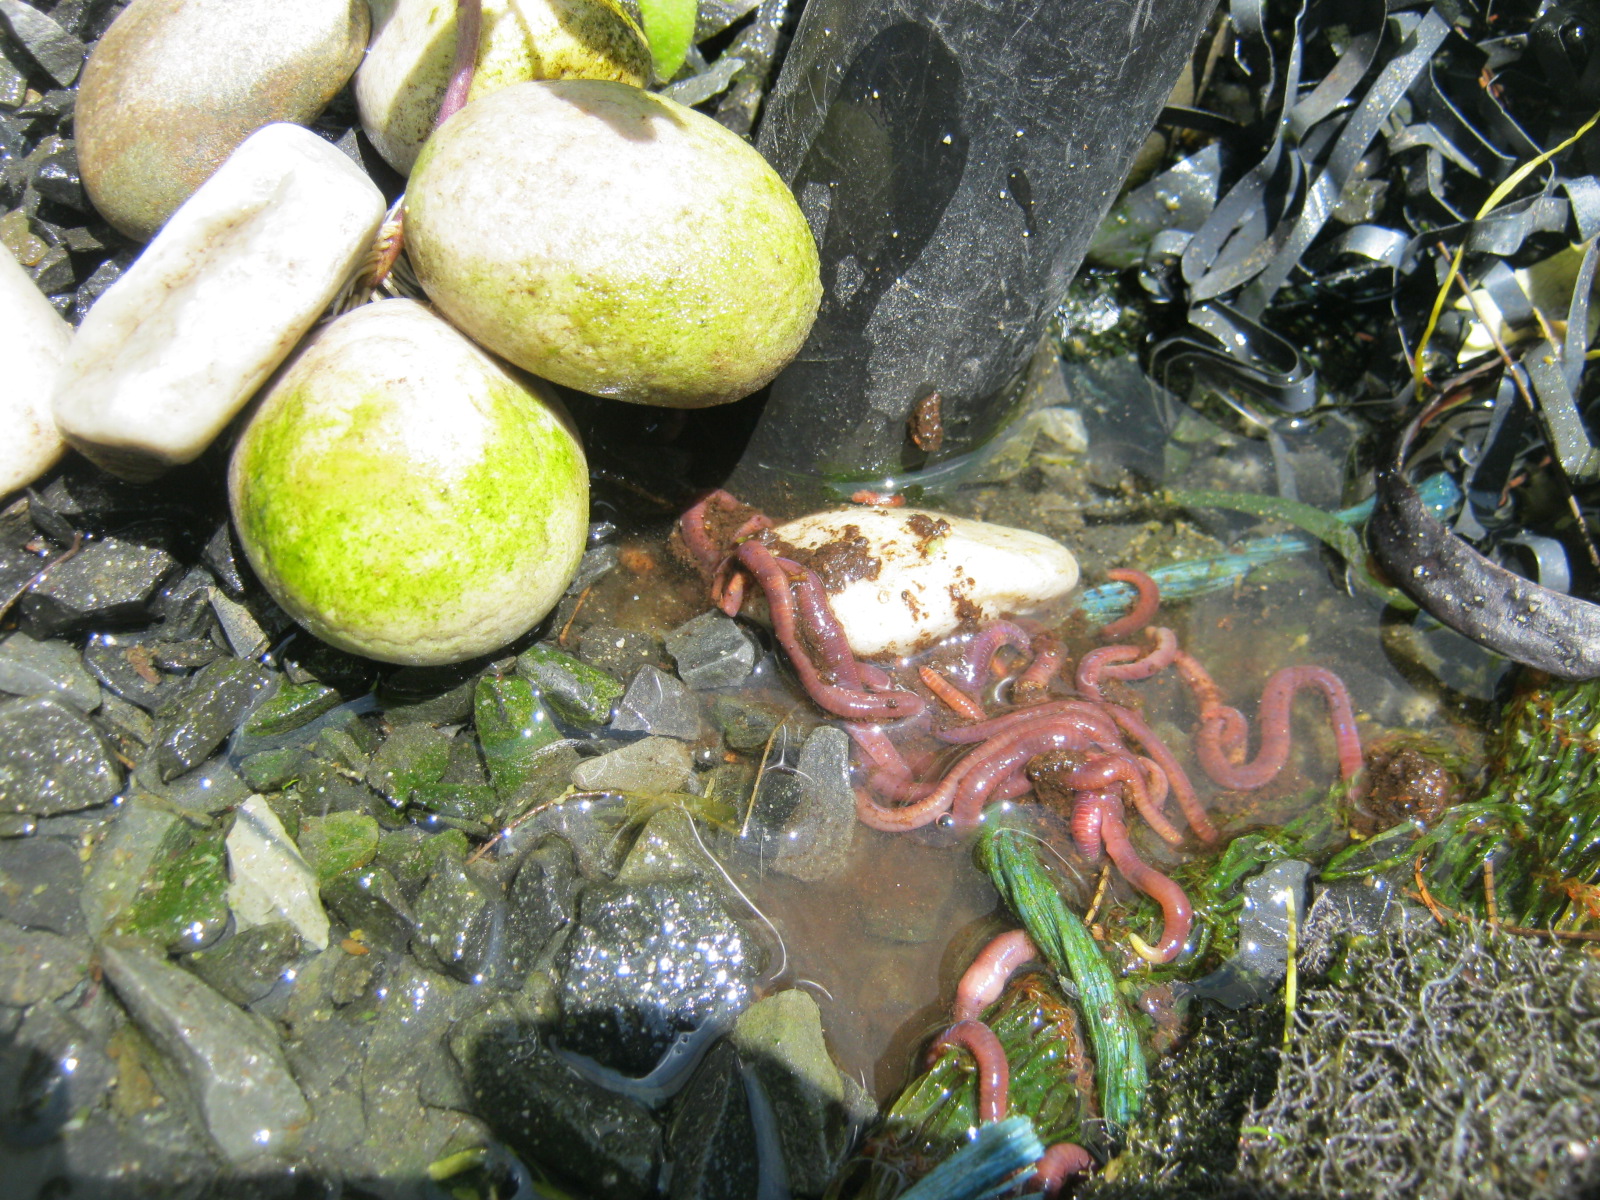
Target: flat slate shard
{"x":52,"y":760}
{"x":109,"y":582}
{"x":51,"y":46}
{"x":712,"y":651}
{"x":232,"y":1068}
{"x":657,"y":703}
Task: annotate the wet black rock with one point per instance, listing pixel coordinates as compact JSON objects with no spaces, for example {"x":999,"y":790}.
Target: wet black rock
{"x":230,"y":1066}
{"x":576,"y":692}
{"x":40,"y":881}
{"x":92,"y":288}
{"x":55,"y":177}
{"x":547,"y":1114}
{"x":543,"y":901}
{"x":52,"y":1068}
{"x":657,"y":703}
{"x":52,"y":47}
{"x":746,"y":724}
{"x":807,"y":816}
{"x":712,"y":1138}
{"x":30,"y":668}
{"x":191,"y":725}
{"x":52,"y":759}
{"x":373,"y":902}
{"x":647,"y":962}
{"x":437,"y":695}
{"x":460,"y":917}
{"x":35,"y":965}
{"x":108,"y":582}
{"x":248,"y":965}
{"x":125,"y":664}
{"x":712,"y":651}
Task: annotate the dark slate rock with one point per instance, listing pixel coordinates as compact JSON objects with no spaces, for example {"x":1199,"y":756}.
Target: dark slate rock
{"x":513,"y":730}
{"x":576,"y":692}
{"x":30,"y":668}
{"x":712,"y":651}
{"x":125,"y":664}
{"x":41,"y":879}
{"x":652,"y":765}
{"x":411,"y":757}
{"x":373,"y":902}
{"x":56,"y":178}
{"x":51,"y":46}
{"x":13,"y":88}
{"x":248,"y":965}
{"x":232,"y":1068}
{"x":746,"y":724}
{"x":814,"y":840}
{"x":647,"y":962}
{"x":222,"y":553}
{"x":36,"y":966}
{"x":657,"y":703}
{"x":437,"y":695}
{"x":712,"y":1138}
{"x":191,"y":725}
{"x":92,"y":288}
{"x":108,"y":582}
{"x":52,"y":759}
{"x":460,"y":916}
{"x":52,"y":1069}
{"x":542,"y":902}
{"x":53,"y":273}
{"x":607,"y":1145}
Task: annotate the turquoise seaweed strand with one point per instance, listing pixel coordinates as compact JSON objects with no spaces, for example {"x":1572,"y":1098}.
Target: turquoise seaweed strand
{"x":1061,"y":936}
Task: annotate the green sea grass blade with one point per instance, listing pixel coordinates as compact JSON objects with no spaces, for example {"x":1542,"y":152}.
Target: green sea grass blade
{"x":1061,"y":936}
{"x":669,"y":28}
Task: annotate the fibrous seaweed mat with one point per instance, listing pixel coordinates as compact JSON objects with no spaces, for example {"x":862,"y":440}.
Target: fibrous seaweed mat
{"x":1461,"y":1064}
{"x":1456,"y":1063}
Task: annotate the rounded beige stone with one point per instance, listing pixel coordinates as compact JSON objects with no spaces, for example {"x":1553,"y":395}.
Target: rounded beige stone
{"x":406,"y":497}
{"x":613,"y":241}
{"x":33,"y":341}
{"x":403,"y":79}
{"x":175,"y":86}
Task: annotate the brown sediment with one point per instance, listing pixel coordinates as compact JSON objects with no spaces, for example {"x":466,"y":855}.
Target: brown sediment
{"x":839,"y":562}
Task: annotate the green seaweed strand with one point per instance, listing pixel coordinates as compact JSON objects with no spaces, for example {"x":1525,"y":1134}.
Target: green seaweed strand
{"x":1061,"y":936}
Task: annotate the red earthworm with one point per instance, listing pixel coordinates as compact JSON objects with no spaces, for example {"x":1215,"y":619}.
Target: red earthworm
{"x":1176,"y":914}
{"x":1126,"y":662}
{"x":1119,"y":766}
{"x":994,"y":1072}
{"x":875,"y":677}
{"x":1183,"y":791}
{"x":1084,"y":824}
{"x":1274,"y":713}
{"x":980,"y":651}
{"x":1155,"y":780}
{"x":1144,"y":605}
{"x":1058,"y":1164}
{"x":840,"y":701}
{"x":954,"y":698}
{"x":1036,"y":677}
{"x":997,"y":758}
{"x":1097,"y":726}
{"x":983,"y":981}
{"x":821,"y":626}
{"x":696,"y":537}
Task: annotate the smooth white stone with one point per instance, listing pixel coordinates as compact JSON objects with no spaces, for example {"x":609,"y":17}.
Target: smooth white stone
{"x":271,"y":882}
{"x":33,"y":341}
{"x":922,"y":580}
{"x":222,"y":295}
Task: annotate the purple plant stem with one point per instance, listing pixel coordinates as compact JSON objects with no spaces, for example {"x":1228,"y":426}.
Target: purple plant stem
{"x":469,"y":20}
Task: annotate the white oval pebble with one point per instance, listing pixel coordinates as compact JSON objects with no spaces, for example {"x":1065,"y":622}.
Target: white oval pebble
{"x":33,"y":340}
{"x":932,"y":571}
{"x":176,"y":347}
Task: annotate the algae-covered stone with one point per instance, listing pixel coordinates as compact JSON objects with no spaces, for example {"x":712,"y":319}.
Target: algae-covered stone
{"x":175,"y":85}
{"x":513,"y":728}
{"x":613,"y":241}
{"x":404,"y":496}
{"x":407,"y":68}
{"x":181,"y":903}
{"x":338,"y":843}
{"x":576,"y":692}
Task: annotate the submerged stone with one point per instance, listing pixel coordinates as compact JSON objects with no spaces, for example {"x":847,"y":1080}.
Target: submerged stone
{"x":108,"y":582}
{"x":41,"y":881}
{"x":125,"y":665}
{"x":293,"y":706}
{"x":412,"y":756}
{"x":712,"y":651}
{"x":460,"y":920}
{"x":576,"y":692}
{"x":513,"y":729}
{"x":746,"y":724}
{"x":551,"y":1116}
{"x":52,"y":759}
{"x":190,"y":726}
{"x":654,"y":765}
{"x":541,"y":903}
{"x":338,"y":843}
{"x":230,"y":1066}
{"x":181,"y":900}
{"x":647,"y":962}
{"x":30,"y":668}
{"x":372,"y":902}
{"x":712,"y":1139}
{"x":271,"y":881}
{"x":35,"y":965}
{"x":248,"y":965}
{"x":657,"y":703}
{"x":814,"y":839}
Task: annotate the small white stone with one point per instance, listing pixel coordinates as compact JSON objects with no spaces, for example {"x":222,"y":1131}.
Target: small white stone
{"x":271,"y":882}
{"x":930,"y":568}
{"x":178,"y":345}
{"x":33,"y":341}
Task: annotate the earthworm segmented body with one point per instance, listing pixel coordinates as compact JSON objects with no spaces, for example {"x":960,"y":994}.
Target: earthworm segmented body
{"x":1075,"y":747}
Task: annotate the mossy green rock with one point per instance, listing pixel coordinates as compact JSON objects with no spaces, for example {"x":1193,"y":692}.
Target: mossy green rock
{"x":405,"y":497}
{"x":613,"y":241}
{"x":407,"y":69}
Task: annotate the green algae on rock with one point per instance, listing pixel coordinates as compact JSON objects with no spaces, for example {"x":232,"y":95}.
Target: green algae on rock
{"x":401,"y":83}
{"x":405,"y":497}
{"x":613,"y":241}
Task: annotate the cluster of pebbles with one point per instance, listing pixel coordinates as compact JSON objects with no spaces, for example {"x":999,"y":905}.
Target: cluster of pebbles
{"x":271,"y":912}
